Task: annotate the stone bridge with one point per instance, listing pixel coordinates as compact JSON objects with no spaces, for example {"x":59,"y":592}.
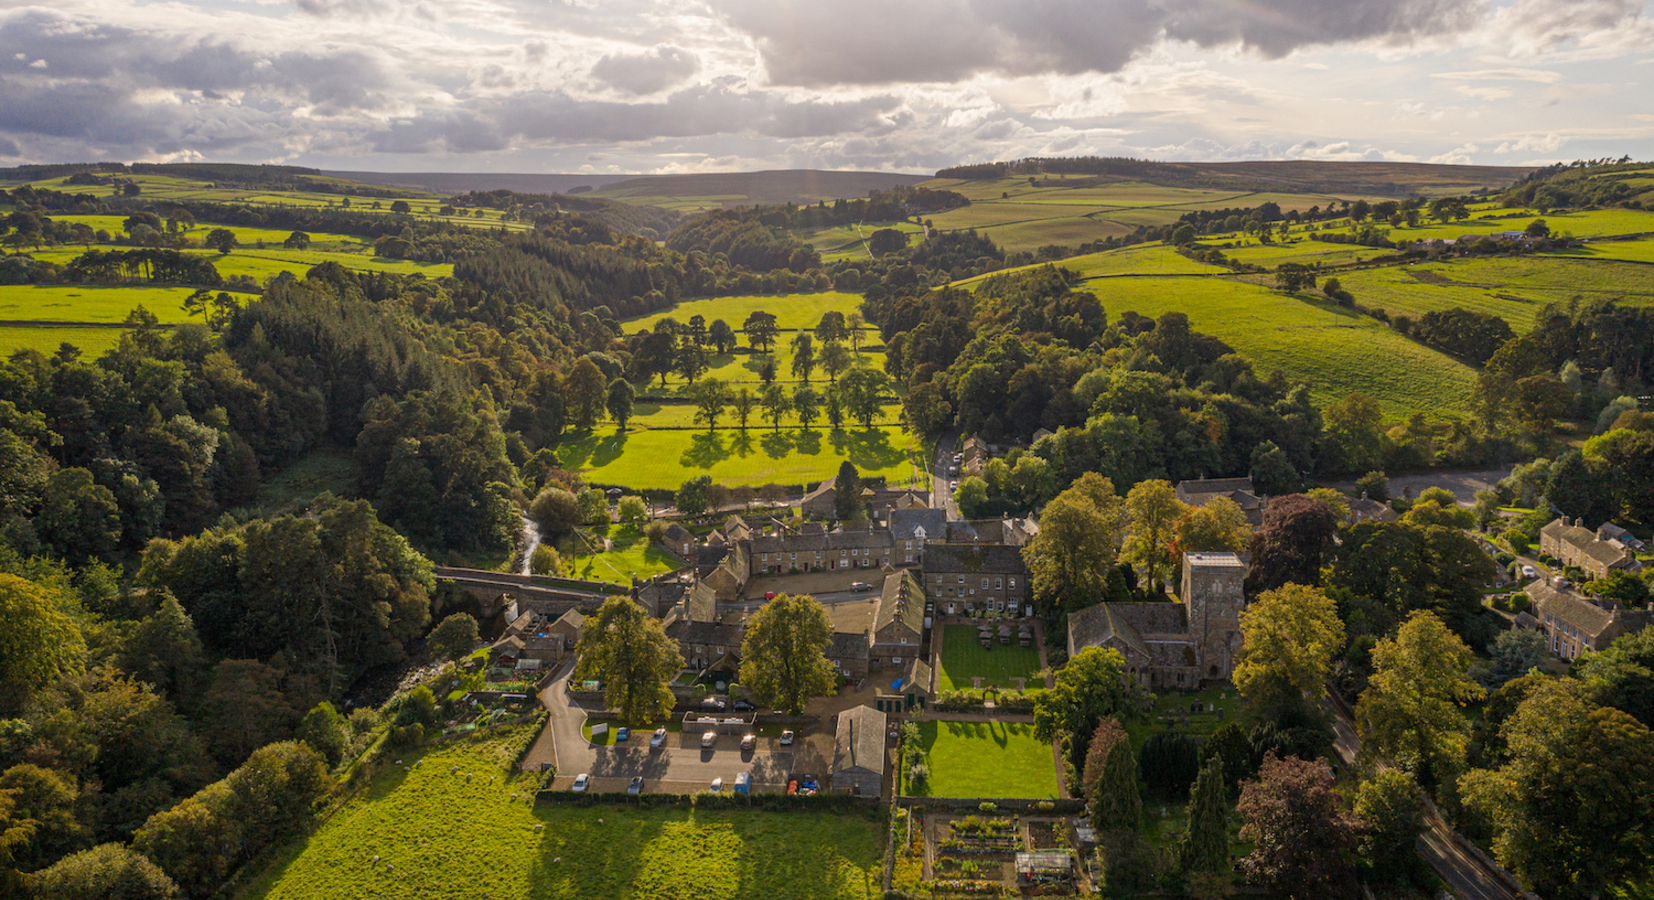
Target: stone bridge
{"x":501,"y":597}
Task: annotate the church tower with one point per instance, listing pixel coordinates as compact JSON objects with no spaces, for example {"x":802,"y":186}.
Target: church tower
{"x":1214,"y":596}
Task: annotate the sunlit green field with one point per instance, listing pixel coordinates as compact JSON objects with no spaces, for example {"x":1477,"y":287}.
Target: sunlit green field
{"x":92,"y":342}
{"x":426,"y":833}
{"x":790,"y":310}
{"x":1516,"y":289}
{"x":89,"y":303}
{"x":1335,"y":350}
{"x":658,"y":459}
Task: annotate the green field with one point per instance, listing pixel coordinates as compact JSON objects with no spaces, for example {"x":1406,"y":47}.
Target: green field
{"x":986,"y":759}
{"x":449,"y":837}
{"x":89,"y":303}
{"x":963,"y":658}
{"x":633,"y":554}
{"x":1515,"y":289}
{"x":1337,"y":351}
{"x":791,"y":311}
{"x":665,"y":459}
{"x":92,"y":342}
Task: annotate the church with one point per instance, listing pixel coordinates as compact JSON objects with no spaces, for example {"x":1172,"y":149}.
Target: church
{"x":1173,"y":645}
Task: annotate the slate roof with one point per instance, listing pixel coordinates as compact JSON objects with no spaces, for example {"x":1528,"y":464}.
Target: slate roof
{"x":1570,"y":608}
{"x":916,"y":677}
{"x":1095,"y":625}
{"x":903,"y":521}
{"x":903,"y":601}
{"x":978,"y":559}
{"x":832,"y":540}
{"x":573,"y":617}
{"x":677,"y":534}
{"x":859,"y":743}
{"x":1151,"y":619}
{"x":1199,"y":492}
{"x":710,"y":633}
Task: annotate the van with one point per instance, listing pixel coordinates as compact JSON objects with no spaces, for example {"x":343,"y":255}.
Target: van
{"x":743,"y":783}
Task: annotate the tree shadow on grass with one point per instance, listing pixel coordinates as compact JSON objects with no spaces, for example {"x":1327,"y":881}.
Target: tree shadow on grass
{"x":776,"y":444}
{"x":827,"y":855}
{"x":706,"y":450}
{"x":809,"y":442}
{"x":578,"y":857}
{"x":591,"y":451}
{"x":868,"y":449}
{"x":742,"y":445}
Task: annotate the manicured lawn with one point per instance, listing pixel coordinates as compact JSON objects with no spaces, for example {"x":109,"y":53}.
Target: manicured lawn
{"x":963,"y":658}
{"x":665,"y":459}
{"x":447,"y":837}
{"x":632,"y":554}
{"x":986,"y":759}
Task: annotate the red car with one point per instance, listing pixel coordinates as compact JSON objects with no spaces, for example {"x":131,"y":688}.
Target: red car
{"x":769,"y":595}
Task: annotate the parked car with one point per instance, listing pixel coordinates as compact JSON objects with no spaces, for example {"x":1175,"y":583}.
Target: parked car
{"x":658,"y":739}
{"x":786,"y":739}
{"x":860,"y":586}
{"x":953,"y":485}
{"x":717,"y":786}
{"x":743,"y":783}
{"x":709,"y":739}
{"x":623,"y":733}
{"x":716,"y":703}
{"x":769,"y":595}
{"x":749,"y":741}
{"x":1528,"y":572}
{"x":744,"y":706}
{"x":636,"y":787}
{"x":581,"y":782}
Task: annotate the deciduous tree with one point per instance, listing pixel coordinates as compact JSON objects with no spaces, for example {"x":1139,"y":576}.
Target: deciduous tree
{"x":627,"y":651}
{"x":39,"y":642}
{"x":453,"y":637}
{"x":1301,"y":839}
{"x":586,"y":391}
{"x":1069,"y":559}
{"x":784,"y":654}
{"x":1290,"y":637}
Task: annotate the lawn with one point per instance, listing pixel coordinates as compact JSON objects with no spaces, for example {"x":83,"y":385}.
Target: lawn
{"x":790,"y":310}
{"x":1335,"y":350}
{"x":633,"y":554}
{"x":325,"y":469}
{"x":963,"y":658}
{"x":449,"y":837}
{"x":986,"y":759}
{"x":667,"y":458}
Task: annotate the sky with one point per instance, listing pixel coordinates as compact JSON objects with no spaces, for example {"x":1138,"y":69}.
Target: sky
{"x":641,"y":86}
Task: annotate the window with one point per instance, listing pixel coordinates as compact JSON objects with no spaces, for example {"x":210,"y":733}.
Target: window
{"x":984,"y":584}
{"x":910,"y":557}
{"x":961,"y":579}
{"x":843,"y":553}
{"x":909,"y":546}
{"x":999,"y":584}
{"x":1013,"y":584}
{"x":904,"y":640}
{"x":765,"y":557}
{"x":938,"y":579}
{"x":854,"y":551}
{"x":795,"y":554}
{"x":896,"y":659}
{"x":818,"y":554}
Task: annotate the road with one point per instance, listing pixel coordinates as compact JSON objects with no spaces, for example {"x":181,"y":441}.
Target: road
{"x":1468,"y":878}
{"x":681,"y":767}
{"x":941,"y":496}
{"x":827,"y":598}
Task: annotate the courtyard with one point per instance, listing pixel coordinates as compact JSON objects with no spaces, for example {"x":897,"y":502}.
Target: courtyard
{"x":986,"y":759}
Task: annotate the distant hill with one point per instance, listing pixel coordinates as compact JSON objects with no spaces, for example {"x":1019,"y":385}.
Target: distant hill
{"x":465,"y":182}
{"x":1383,"y":179}
{"x":749,"y":188}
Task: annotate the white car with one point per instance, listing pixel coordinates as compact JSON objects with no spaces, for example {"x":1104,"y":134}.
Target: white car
{"x":709,"y":739}
{"x":717,"y":786}
{"x":1527,"y":572}
{"x":658,"y":739}
{"x":581,"y":782}
{"x":748,"y":742}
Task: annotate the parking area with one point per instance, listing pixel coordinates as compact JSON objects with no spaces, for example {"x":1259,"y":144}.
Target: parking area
{"x":683,"y":766}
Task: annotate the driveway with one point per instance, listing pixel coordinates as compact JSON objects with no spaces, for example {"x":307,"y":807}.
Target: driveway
{"x":681,"y":767}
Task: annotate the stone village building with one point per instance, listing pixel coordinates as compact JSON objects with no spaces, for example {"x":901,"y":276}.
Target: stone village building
{"x":1174,"y":645}
{"x":1591,"y":551}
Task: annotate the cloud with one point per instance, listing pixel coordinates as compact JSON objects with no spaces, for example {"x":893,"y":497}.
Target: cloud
{"x":813,"y":43}
{"x":647,"y":72}
{"x":1462,"y":155}
{"x":1546,"y":143}
{"x":1540,"y":76}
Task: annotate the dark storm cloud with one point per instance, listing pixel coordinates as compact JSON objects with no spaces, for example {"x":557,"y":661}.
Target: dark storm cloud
{"x":705,"y":109}
{"x":646,"y":72}
{"x":808,"y":42}
{"x":129,"y":90}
